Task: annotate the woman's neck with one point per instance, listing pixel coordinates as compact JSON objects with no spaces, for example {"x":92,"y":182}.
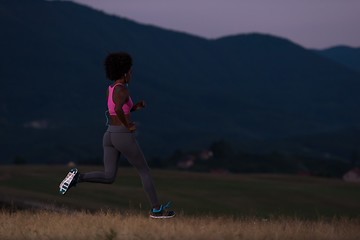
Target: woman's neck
{"x":121,"y":80}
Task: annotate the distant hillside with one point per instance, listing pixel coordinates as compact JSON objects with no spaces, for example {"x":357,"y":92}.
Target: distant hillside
{"x":250,"y":86}
{"x":345,"y":55}
{"x":340,"y":144}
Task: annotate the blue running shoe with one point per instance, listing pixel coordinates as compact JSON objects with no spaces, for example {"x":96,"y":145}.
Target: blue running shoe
{"x":69,"y":181}
{"x":162,"y":212}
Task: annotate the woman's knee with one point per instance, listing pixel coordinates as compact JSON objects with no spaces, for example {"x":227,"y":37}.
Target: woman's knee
{"x":139,"y":162}
{"x":109,"y":179}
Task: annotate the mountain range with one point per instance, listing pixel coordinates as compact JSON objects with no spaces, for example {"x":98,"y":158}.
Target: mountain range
{"x":345,"y":55}
{"x":247,"y":87}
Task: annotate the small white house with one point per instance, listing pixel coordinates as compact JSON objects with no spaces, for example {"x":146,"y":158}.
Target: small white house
{"x":206,"y":154}
{"x":353,"y":175}
{"x":186,"y":161}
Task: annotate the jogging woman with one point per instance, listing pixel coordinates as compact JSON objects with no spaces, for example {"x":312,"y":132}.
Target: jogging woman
{"x":119,"y":137}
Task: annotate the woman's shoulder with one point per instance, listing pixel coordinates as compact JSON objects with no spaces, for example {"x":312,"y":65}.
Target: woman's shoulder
{"x":121,"y":89}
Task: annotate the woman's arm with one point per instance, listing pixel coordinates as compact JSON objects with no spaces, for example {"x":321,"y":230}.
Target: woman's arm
{"x":138,"y":106}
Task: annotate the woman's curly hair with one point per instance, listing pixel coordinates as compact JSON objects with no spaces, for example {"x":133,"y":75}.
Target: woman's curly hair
{"x":117,"y":64}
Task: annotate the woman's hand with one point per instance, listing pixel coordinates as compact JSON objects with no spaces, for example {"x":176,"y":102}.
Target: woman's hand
{"x":132,"y":126}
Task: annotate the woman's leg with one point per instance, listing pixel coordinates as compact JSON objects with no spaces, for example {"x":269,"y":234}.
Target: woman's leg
{"x":126,"y":143}
{"x":111,"y":161}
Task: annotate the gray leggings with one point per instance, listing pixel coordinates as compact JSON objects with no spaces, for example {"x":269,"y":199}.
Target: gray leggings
{"x":119,"y":140}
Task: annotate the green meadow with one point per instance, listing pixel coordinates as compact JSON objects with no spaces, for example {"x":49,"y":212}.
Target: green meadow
{"x":248,"y":195}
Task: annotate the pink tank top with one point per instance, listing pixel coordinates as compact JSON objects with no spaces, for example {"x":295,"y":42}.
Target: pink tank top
{"x":111,"y":105}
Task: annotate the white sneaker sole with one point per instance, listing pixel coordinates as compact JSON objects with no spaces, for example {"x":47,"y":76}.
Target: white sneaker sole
{"x":163,"y":216}
{"x":64,"y":185}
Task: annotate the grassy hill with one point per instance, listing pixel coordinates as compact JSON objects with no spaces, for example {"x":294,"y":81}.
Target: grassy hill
{"x":259,"y":195}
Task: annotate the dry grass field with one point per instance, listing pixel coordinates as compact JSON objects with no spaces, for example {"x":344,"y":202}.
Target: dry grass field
{"x":42,"y":224}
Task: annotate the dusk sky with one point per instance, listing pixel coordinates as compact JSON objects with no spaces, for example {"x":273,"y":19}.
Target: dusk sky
{"x":310,"y":23}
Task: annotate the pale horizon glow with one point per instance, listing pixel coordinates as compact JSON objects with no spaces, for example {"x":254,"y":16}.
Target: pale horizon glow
{"x":310,"y":23}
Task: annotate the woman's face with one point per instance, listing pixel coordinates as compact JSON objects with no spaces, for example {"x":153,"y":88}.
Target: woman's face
{"x":128,"y":76}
